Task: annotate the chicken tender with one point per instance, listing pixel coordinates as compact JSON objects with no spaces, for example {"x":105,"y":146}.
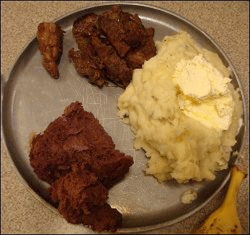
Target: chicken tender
{"x":50,"y":39}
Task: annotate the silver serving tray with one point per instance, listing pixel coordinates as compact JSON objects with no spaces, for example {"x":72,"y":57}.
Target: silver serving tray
{"x":31,"y":100}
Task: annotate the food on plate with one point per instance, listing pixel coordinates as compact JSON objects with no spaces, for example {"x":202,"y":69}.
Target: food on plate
{"x":110,"y":46}
{"x":82,"y":199}
{"x":127,"y":34}
{"x":115,"y":67}
{"x":50,"y":40}
{"x":77,"y":157}
{"x":189,"y":196}
{"x":225,"y":220}
{"x":86,"y":61}
{"x":183,"y":110}
{"x":136,"y":57}
{"x":87,"y":66}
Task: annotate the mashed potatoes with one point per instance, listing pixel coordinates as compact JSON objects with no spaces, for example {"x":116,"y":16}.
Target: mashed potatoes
{"x":181,"y":142}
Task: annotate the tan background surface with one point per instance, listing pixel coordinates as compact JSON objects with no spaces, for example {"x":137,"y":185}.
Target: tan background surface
{"x":226,"y":22}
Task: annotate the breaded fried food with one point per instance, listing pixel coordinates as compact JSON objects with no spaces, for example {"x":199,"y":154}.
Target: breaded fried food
{"x":138,"y":55}
{"x":122,"y":29}
{"x":116,"y":68}
{"x":86,"y":61}
{"x":84,"y":28}
{"x":111,"y":45}
{"x":50,"y":39}
{"x":89,"y":65}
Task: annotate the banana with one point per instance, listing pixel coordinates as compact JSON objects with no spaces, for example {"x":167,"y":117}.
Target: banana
{"x":225,"y":219}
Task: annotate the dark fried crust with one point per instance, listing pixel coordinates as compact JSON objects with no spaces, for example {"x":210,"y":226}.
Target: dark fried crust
{"x":88,"y":65}
{"x":112,"y":44}
{"x":50,"y":39}
{"x":116,"y":68}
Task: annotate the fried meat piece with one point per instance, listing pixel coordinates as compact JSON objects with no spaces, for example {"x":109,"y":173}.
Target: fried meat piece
{"x":88,"y":65}
{"x":122,"y":29}
{"x":50,"y":39}
{"x":137,"y":56}
{"x":84,"y":28}
{"x":86,"y":61}
{"x":113,"y":28}
{"x":116,"y":69}
{"x":111,"y":45}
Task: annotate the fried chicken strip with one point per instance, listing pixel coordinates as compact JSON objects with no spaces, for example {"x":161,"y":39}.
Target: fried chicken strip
{"x":86,"y":61}
{"x":50,"y":39}
{"x":87,"y":66}
{"x":111,"y":45}
{"x":137,"y":56}
{"x":123,"y":30}
{"x":116,"y":68}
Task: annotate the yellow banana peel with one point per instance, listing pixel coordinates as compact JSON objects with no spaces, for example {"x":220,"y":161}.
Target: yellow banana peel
{"x":225,"y":220}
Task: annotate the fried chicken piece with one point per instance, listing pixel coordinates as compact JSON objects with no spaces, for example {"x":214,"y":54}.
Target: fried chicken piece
{"x":122,"y":29}
{"x":114,"y":30}
{"x":116,"y":68}
{"x":137,"y":56}
{"x":50,"y":39}
{"x":88,"y":66}
{"x":111,"y":45}
{"x":86,"y":61}
{"x":83,"y":28}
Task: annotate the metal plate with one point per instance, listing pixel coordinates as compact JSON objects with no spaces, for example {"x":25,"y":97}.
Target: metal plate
{"x":31,"y":100}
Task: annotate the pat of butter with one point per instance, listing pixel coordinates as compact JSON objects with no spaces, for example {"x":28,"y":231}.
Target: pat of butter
{"x":204,"y":93}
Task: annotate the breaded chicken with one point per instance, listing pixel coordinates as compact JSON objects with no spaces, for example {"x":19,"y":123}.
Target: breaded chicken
{"x":50,"y":39}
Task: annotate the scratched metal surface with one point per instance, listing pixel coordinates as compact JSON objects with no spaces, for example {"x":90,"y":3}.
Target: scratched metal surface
{"x":31,"y":100}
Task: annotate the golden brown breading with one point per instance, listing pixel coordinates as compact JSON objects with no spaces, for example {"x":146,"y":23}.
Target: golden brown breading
{"x":50,"y":38}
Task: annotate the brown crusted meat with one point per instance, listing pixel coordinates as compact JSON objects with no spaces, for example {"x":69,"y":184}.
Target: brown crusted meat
{"x":122,"y":29}
{"x":82,"y":199}
{"x":137,"y":56}
{"x":78,"y":158}
{"x":111,"y":45}
{"x":116,"y":68}
{"x":50,"y":38}
{"x":86,"y":61}
{"x":88,"y":65}
{"x":84,"y":28}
